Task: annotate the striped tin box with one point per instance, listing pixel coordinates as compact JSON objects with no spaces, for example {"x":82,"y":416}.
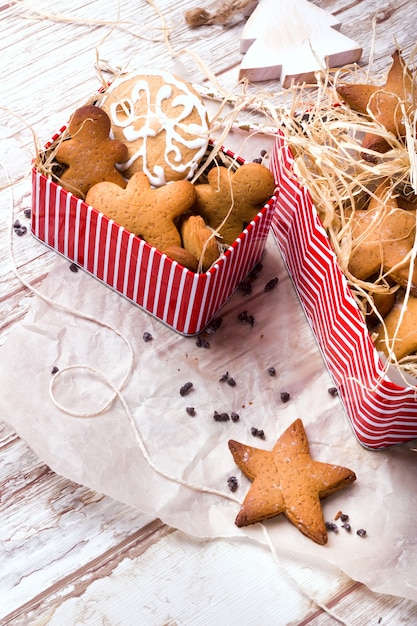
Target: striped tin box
{"x":181,"y":299}
{"x":381,"y":413}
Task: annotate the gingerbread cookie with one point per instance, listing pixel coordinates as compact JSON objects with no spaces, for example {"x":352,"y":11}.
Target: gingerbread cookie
{"x":383,"y":238}
{"x":89,"y":152}
{"x":163,"y":122}
{"x":146,"y":212}
{"x":287,"y":480}
{"x":383,"y":103}
{"x":397,"y":335}
{"x":199,"y":240}
{"x":230,"y":200}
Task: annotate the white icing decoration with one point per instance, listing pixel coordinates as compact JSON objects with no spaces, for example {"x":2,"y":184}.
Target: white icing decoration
{"x":157,"y":121}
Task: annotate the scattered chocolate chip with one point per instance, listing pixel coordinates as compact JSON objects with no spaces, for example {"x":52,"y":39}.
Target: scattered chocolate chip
{"x":147,"y":336}
{"x":361,"y":532}
{"x":73,"y":267}
{"x":245,"y":287}
{"x":19,"y":228}
{"x":258,"y":160}
{"x":271,"y":371}
{"x":220,"y":417}
{"x":332,"y":391}
{"x":257,"y":432}
{"x":271,"y":284}
{"x":202,"y":343}
{"x":54,"y":369}
{"x":185,"y":389}
{"x":263,"y":153}
{"x":244,"y":317}
{"x":344,"y":517}
{"x":332,"y":526}
{"x":190,"y":410}
{"x":347,"y":527}
{"x":232,"y":483}
{"x":254,"y":273}
{"x":224,"y":377}
{"x":27,"y":213}
{"x":231,"y":381}
{"x":214,"y":325}
{"x":235,"y":417}
{"x":285,"y":396}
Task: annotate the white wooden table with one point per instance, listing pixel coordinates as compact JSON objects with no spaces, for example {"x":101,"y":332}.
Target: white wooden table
{"x":70,"y":555}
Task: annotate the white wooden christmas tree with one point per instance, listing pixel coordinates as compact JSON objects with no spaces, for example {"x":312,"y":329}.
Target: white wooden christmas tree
{"x":290,"y":40}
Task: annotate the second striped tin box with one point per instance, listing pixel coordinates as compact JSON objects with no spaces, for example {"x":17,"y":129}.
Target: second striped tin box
{"x":382,"y":413}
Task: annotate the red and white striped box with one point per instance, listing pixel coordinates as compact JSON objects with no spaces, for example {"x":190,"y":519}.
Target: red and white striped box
{"x":381,"y":413}
{"x":181,"y":299}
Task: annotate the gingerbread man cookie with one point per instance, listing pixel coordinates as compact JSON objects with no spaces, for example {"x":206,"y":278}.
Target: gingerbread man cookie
{"x":230,"y":200}
{"x":89,"y":153}
{"x":146,"y":212}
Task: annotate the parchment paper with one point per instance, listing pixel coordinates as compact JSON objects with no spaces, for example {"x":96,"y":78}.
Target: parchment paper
{"x":103,"y":451}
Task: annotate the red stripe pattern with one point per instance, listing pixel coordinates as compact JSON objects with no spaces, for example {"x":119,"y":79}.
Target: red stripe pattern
{"x":181,"y":299}
{"x":381,"y":413}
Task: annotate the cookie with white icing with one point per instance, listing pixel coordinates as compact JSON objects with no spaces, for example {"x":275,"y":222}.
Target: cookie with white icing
{"x":163,"y":122}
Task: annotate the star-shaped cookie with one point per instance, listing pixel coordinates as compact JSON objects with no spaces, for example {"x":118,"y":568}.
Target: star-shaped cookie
{"x":385,"y":103}
{"x":287,"y":480}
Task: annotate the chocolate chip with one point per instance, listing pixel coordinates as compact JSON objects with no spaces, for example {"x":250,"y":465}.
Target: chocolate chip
{"x":220,"y":417}
{"x":285,"y":396}
{"x":147,"y":336}
{"x":344,"y":517}
{"x":202,"y":343}
{"x":224,"y":377}
{"x":27,"y":213}
{"x":257,"y":432}
{"x":19,"y":228}
{"x":271,"y":371}
{"x":73,"y":267}
{"x":361,"y":532}
{"x":254,"y":273}
{"x":185,"y":389}
{"x":232,"y":483}
{"x":332,"y":391}
{"x":347,"y":527}
{"x":332,"y":526}
{"x":235,"y":417}
{"x":231,"y":381}
{"x":244,"y":317}
{"x":54,"y":369}
{"x":190,"y":410}
{"x":214,"y":325}
{"x":271,"y":284}
{"x":245,"y":287}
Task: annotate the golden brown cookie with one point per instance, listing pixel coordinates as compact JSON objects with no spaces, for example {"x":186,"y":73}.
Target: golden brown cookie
{"x":287,"y":480}
{"x":230,"y":200}
{"x":383,"y":102}
{"x":146,"y":212}
{"x":382,"y":237}
{"x":89,"y":153}
{"x":183,"y":257}
{"x":162,"y":120}
{"x":398,"y":333}
{"x":199,"y":240}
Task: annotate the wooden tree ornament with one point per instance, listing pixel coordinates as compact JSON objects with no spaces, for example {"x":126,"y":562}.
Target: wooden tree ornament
{"x":290,"y":40}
